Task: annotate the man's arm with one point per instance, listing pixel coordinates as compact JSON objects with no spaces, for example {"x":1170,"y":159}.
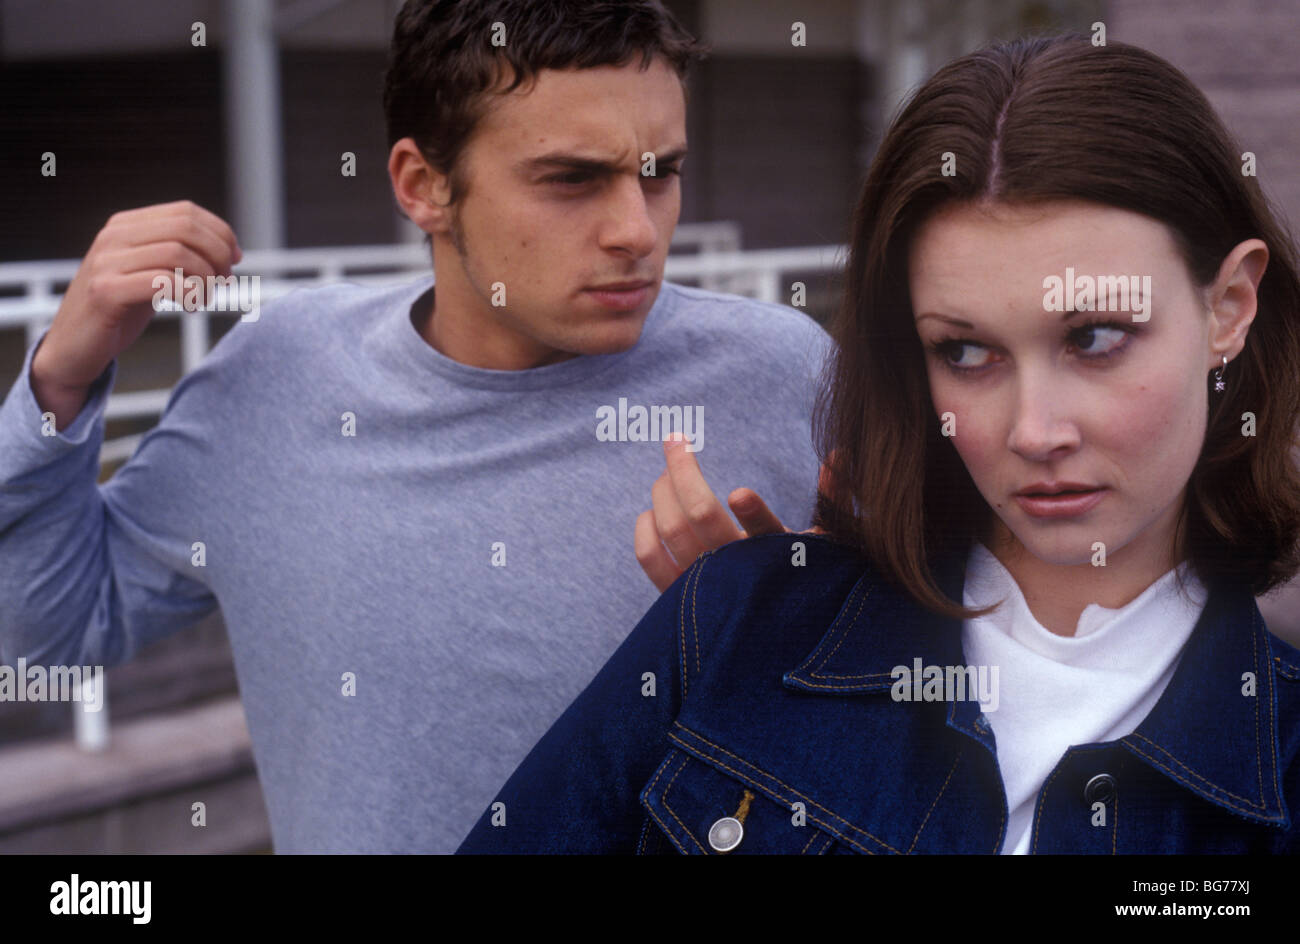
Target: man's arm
{"x":80,"y":580}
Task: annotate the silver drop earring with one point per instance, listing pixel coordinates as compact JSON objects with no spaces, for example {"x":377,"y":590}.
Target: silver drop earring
{"x":1218,"y":374}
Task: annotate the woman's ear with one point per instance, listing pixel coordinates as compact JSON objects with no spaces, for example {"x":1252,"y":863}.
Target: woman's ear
{"x":1233,"y":299}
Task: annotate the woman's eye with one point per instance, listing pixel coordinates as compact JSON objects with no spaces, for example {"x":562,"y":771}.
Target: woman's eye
{"x":1092,"y":342}
{"x":1099,"y":340}
{"x":954,"y":354}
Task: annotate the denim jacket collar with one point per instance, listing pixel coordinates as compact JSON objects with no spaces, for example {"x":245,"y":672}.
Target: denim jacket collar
{"x":879,"y":627}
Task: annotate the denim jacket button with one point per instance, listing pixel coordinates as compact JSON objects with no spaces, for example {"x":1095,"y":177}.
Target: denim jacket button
{"x":1100,"y":789}
{"x":725,"y":834}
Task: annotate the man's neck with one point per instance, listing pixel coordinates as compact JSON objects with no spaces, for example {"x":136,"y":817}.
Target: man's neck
{"x":490,"y":350}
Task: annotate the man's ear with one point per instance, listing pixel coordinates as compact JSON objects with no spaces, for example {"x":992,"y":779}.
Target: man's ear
{"x":423,"y":192}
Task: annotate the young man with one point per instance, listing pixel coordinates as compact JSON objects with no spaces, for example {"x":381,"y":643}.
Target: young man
{"x":415,"y":510}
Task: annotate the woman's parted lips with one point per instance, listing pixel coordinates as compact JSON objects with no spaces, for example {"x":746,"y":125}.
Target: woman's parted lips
{"x":1053,"y":488}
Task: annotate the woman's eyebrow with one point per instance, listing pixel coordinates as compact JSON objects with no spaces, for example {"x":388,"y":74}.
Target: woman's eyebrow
{"x":970,"y":327}
{"x":949,"y":318}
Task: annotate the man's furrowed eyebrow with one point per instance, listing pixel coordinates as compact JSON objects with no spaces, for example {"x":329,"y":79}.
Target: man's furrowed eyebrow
{"x":562,"y":160}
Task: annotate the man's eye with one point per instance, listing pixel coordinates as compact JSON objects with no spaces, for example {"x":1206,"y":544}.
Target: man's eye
{"x":572,"y":178}
{"x":663,"y":173}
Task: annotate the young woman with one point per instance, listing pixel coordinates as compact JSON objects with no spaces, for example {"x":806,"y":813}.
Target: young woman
{"x":1066,"y":395}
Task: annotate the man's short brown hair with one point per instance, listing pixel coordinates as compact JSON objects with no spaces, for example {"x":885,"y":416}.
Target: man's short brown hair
{"x":447,"y":55}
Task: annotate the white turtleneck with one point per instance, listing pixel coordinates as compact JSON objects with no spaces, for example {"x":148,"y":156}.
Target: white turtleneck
{"x":1058,"y":691}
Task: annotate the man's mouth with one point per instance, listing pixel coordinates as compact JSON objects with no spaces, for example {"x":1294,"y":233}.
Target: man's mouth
{"x":621,"y":296}
{"x":629,"y":286}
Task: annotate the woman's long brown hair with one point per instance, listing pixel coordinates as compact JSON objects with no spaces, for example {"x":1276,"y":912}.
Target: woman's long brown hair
{"x":1054,"y":118}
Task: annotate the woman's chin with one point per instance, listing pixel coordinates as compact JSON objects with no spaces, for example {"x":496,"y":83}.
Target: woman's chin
{"x":1062,"y":550}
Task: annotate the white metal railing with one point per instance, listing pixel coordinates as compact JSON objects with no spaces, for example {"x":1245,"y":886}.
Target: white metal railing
{"x":718,"y":265}
{"x":757,"y":273}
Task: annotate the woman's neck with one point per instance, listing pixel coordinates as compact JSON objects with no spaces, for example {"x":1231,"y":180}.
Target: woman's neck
{"x":1057,"y":594}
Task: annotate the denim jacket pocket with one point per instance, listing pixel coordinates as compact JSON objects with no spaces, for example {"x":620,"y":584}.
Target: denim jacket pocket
{"x":701,"y":810}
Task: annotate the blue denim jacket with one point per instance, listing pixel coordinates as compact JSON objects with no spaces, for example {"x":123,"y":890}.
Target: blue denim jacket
{"x":750,"y":712}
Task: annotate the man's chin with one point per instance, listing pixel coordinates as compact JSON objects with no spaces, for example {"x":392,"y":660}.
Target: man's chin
{"x":610,"y":339}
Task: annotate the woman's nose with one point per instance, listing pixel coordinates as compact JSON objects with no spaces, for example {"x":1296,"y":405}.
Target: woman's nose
{"x":1043,"y":421}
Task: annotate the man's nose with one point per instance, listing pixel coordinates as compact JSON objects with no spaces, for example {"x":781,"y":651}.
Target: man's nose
{"x":630,"y":228}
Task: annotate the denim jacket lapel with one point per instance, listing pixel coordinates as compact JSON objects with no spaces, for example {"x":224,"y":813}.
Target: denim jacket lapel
{"x":1203,"y":733}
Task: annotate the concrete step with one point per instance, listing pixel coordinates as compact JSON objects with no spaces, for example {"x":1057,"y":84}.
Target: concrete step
{"x":137,"y":796}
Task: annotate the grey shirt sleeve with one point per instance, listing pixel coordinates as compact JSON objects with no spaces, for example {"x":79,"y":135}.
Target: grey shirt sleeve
{"x":77,"y":583}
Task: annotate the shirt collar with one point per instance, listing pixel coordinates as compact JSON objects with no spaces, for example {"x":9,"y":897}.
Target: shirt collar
{"x":1203,"y":733}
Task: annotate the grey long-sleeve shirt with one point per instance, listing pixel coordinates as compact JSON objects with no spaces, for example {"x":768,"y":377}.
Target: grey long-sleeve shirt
{"x":420,"y":563}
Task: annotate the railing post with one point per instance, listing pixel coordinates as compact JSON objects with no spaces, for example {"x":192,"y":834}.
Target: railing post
{"x":767,"y":287}
{"x":42,"y":293}
{"x":194,"y":338}
{"x":90,"y":728}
